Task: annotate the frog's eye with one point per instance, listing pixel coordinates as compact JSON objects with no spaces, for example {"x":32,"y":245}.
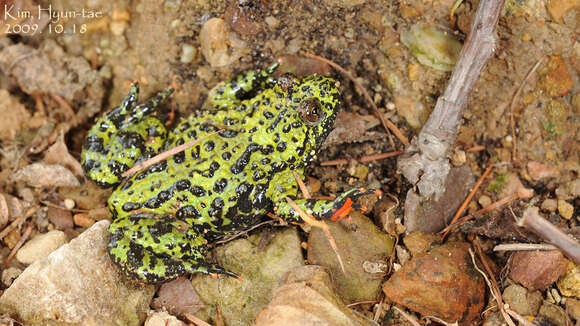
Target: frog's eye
{"x":310,"y":111}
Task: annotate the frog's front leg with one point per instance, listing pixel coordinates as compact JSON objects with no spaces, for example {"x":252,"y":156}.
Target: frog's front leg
{"x":231,"y":94}
{"x":334,"y":210}
{"x":122,"y":136}
{"x":155,"y":248}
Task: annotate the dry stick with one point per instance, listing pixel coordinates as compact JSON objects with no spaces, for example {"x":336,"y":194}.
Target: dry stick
{"x":362,"y":159}
{"x":431,"y":147}
{"x":467,"y":200}
{"x":387,"y":124}
{"x":524,"y":247}
{"x":491,"y":282}
{"x":408,"y":317}
{"x":164,"y":155}
{"x":19,"y":244}
{"x":17,"y":221}
{"x":192,"y":318}
{"x":302,"y":186}
{"x":513,"y":101}
{"x":548,"y":231}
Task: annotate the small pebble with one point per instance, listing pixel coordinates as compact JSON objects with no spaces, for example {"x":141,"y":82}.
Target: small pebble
{"x":565,"y":209}
{"x":188,"y":52}
{"x":69,"y":203}
{"x":549,"y":205}
{"x":40,"y":246}
{"x":83,"y":220}
{"x":484,"y":201}
{"x":272,"y":21}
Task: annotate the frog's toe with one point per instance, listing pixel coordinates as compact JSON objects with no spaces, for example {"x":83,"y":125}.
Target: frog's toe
{"x":214,"y":270}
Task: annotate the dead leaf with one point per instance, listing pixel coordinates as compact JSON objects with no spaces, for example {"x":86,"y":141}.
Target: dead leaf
{"x":58,"y":154}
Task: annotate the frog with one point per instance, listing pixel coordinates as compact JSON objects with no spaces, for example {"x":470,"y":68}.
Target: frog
{"x":254,"y":137}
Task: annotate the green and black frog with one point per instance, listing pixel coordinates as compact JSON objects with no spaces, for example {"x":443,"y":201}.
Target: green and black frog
{"x":258,"y":132}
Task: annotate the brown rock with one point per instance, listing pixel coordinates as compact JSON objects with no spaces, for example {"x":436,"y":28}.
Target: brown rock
{"x":61,"y":218}
{"x":540,"y":171}
{"x":555,"y":79}
{"x":419,"y":242}
{"x":441,"y":283}
{"x":557,"y":8}
{"x":573,"y":308}
{"x":535,"y":270}
{"x":522,"y":301}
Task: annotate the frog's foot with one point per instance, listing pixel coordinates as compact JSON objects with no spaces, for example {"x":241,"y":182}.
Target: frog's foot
{"x":334,"y":210}
{"x":155,"y":249}
{"x":123,"y":136}
{"x":242,"y":86}
{"x":214,"y":270}
{"x":342,"y":205}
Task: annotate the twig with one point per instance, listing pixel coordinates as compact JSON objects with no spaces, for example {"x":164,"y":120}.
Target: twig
{"x":513,"y":101}
{"x":192,"y":318}
{"x":425,"y":162}
{"x":164,"y":155}
{"x":234,"y":236}
{"x":64,"y":104}
{"x":524,"y":247}
{"x":491,"y":282}
{"x":523,"y":321}
{"x":18,"y":221}
{"x":19,"y":244}
{"x":408,"y":317}
{"x":362,"y":159}
{"x":387,"y":124}
{"x":467,"y":200}
{"x":549,"y":232}
{"x":374,"y":157}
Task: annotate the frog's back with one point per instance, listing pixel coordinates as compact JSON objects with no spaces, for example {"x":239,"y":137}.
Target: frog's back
{"x":219,"y":184}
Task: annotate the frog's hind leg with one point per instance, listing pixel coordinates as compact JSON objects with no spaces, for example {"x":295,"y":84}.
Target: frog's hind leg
{"x":122,"y":136}
{"x":241,"y":87}
{"x":155,"y":249}
{"x":334,"y":210}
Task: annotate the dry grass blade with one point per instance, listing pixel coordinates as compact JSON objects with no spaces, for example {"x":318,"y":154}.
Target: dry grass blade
{"x":195,"y":320}
{"x":164,"y":155}
{"x":387,"y":124}
{"x":302,"y":186}
{"x":408,"y":317}
{"x":490,"y":280}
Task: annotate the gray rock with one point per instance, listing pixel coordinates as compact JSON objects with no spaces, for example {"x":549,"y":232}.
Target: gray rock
{"x":77,"y":284}
{"x":261,"y":269}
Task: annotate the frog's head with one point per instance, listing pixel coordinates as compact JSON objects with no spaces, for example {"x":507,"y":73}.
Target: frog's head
{"x":312,"y":105}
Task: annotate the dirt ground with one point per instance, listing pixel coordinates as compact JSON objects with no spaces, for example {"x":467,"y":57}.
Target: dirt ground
{"x":523,"y":116}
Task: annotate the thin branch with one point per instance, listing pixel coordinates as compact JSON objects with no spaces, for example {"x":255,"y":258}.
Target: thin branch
{"x":425,"y":162}
{"x":408,"y":317}
{"x":524,"y":247}
{"x":549,"y":232}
